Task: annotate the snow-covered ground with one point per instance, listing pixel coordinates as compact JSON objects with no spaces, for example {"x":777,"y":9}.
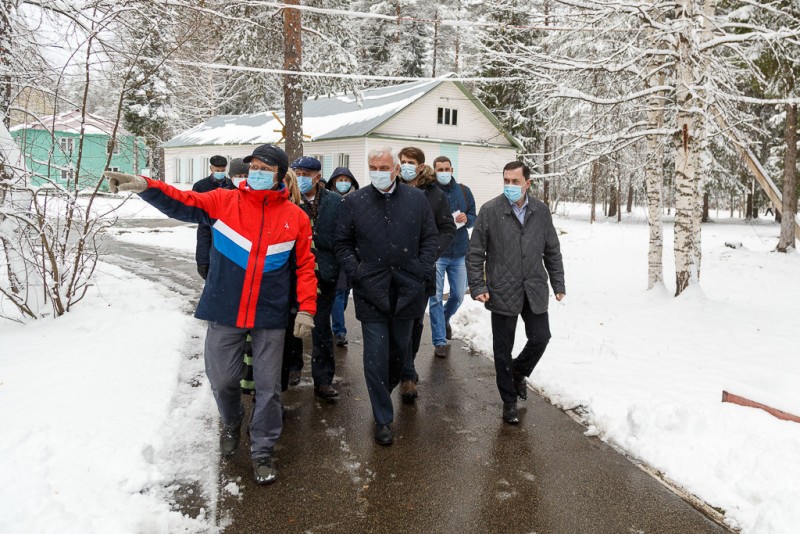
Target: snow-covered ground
{"x":648,"y":369}
{"x":100,"y":419}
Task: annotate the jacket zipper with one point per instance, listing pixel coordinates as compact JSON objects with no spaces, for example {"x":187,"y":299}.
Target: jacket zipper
{"x":253,"y":276}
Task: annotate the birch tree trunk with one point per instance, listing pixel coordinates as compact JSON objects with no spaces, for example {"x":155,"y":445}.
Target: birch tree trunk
{"x":654,"y":179}
{"x":5,"y":61}
{"x":702,"y":155}
{"x":788,"y":213}
{"x":548,"y":157}
{"x":595,"y":176}
{"x":685,"y":185}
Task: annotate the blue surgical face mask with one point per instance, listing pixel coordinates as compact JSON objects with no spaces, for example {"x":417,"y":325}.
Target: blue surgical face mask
{"x":381,"y":179}
{"x":343,"y":187}
{"x":261,"y":180}
{"x":408,"y":171}
{"x":219,"y":176}
{"x":512,"y":192}
{"x":237,"y":181}
{"x":443,"y":177}
{"x":305,"y":183}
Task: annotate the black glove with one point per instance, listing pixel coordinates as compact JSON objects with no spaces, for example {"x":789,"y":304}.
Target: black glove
{"x":202,"y":270}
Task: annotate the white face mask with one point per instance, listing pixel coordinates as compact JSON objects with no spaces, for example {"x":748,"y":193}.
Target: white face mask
{"x":443,"y":177}
{"x":381,"y":179}
{"x":408,"y":171}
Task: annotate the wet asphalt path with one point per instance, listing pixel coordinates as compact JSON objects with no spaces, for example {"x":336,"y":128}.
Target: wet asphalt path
{"x":454,"y":466}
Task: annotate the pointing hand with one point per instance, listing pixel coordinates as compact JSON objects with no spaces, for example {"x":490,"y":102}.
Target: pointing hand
{"x":120,"y":181}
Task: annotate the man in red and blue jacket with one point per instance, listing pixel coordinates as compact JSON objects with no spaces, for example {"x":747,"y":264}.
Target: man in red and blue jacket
{"x":255,"y":233}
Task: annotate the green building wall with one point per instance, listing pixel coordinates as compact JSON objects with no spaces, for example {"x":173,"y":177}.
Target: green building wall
{"x":44,"y":161}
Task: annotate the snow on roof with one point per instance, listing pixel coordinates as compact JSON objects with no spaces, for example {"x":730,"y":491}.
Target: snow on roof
{"x":324,"y":117}
{"x":70,"y":122}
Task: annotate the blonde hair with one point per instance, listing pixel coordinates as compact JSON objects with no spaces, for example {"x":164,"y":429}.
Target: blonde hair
{"x":291,"y":184}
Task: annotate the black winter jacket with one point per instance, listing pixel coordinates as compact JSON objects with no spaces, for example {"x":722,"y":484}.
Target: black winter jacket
{"x":324,"y":228}
{"x":202,"y":253}
{"x":510,"y":260}
{"x":388,"y":245}
{"x":443,"y":217}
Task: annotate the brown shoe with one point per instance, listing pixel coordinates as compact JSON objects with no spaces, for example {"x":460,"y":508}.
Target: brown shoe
{"x":440,"y":351}
{"x":448,"y":332}
{"x":408,"y":391}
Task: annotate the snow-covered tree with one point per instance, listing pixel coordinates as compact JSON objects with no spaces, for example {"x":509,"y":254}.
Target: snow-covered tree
{"x":50,"y":234}
{"x":149,"y":93}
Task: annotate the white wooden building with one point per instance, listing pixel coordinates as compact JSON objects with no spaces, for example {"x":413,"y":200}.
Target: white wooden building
{"x":441,"y":117}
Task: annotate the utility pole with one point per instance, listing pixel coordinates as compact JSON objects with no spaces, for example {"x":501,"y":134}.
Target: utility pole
{"x":292,"y":88}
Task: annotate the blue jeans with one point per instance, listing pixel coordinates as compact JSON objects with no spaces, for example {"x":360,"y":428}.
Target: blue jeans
{"x":337,"y":313}
{"x":386,"y":346}
{"x":456,"y":270}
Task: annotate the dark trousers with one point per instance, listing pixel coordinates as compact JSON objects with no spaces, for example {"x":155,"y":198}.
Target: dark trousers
{"x":292,"y":353}
{"x":322,"y":363}
{"x":409,"y":371}
{"x":537,"y":330}
{"x":386,"y":346}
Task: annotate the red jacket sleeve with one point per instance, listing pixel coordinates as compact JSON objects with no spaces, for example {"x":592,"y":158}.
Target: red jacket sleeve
{"x":306,"y":277}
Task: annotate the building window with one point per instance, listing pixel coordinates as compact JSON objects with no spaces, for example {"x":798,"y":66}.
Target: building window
{"x":447,"y":116}
{"x":67,"y":176}
{"x":344,"y":160}
{"x":112,"y":147}
{"x":177,"y":172}
{"x":190,"y":168}
{"x":113,"y":169}
{"x":66,"y":144}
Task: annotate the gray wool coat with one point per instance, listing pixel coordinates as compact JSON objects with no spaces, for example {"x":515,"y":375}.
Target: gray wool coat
{"x":506,"y":257}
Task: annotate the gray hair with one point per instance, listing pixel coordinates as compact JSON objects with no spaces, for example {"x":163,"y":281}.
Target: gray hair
{"x":382,"y":151}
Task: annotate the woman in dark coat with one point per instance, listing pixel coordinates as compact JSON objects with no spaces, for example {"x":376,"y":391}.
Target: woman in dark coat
{"x":343,"y":182}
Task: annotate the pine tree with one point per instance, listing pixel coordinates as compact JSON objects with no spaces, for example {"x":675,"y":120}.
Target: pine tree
{"x":147,"y":105}
{"x":498,"y":47}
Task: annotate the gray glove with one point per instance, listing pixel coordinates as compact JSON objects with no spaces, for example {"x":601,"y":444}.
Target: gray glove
{"x":303,"y":324}
{"x":120,"y":181}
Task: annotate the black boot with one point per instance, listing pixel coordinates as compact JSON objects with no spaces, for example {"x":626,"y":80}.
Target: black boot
{"x":521,"y":386}
{"x":229,"y":439}
{"x":510,"y":413}
{"x":383,"y":434}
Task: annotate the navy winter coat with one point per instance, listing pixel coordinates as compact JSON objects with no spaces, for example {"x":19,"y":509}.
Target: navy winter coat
{"x":324,"y":228}
{"x":202,"y":253}
{"x":388,"y":244}
{"x":461,"y":199}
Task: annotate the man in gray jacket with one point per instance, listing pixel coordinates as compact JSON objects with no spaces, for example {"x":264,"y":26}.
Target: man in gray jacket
{"x":513,"y":250}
